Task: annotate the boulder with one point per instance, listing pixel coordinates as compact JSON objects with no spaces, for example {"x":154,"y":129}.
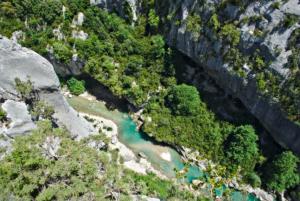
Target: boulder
{"x":22,"y":63}
{"x":19,"y":117}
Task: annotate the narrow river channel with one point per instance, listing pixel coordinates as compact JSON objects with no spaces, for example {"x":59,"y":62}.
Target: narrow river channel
{"x":163,"y":158}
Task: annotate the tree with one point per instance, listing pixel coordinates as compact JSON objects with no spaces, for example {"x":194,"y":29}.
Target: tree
{"x":282,"y":172}
{"x":184,"y":100}
{"x":231,"y":33}
{"x":153,"y":19}
{"x":75,"y":86}
{"x":62,"y":52}
{"x":241,"y":148}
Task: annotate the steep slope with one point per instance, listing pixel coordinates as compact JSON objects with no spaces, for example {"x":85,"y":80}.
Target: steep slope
{"x":230,"y":41}
{"x":22,"y":63}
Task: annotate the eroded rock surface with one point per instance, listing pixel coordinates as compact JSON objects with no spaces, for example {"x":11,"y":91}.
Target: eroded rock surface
{"x":22,"y":63}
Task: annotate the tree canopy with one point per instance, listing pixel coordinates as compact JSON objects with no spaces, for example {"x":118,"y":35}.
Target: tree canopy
{"x":282,"y":172}
{"x":184,"y":100}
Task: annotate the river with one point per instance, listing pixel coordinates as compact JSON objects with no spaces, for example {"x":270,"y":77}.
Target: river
{"x":162,"y":157}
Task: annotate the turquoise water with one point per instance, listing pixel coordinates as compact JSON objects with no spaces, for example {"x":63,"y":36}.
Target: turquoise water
{"x":139,"y":142}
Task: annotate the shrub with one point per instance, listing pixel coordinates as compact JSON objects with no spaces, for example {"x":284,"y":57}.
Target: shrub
{"x":276,"y":5}
{"x":290,"y":20}
{"x":241,"y":148}
{"x":42,"y":110}
{"x":2,"y":114}
{"x":62,"y":52}
{"x":214,"y":22}
{"x":231,"y":33}
{"x":25,"y":89}
{"x":184,"y":100}
{"x":282,"y":172}
{"x":253,"y":179}
{"x":75,"y":86}
{"x":153,"y":19}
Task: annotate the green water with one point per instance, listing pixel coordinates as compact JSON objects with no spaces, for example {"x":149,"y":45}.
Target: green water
{"x":140,"y":142}
{"x":137,"y":141}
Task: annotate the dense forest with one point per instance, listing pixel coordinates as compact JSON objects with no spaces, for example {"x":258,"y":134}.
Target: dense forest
{"x":134,"y":63}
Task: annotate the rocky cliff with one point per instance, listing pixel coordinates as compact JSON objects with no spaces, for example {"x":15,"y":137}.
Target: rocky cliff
{"x":22,"y":63}
{"x":264,"y":30}
{"x":207,"y":50}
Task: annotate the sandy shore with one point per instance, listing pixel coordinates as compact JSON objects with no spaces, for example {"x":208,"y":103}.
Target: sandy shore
{"x":131,"y":161}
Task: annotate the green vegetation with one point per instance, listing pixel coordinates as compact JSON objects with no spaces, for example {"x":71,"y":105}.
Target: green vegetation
{"x":73,"y":172}
{"x":282,"y":173}
{"x":153,"y":19}
{"x":134,"y":63}
{"x":241,"y":148}
{"x":25,"y":89}
{"x":184,"y":100}
{"x":214,"y":22}
{"x":290,"y":20}
{"x":42,"y":110}
{"x":231,"y":34}
{"x":2,"y":115}
{"x":253,"y":179}
{"x":62,"y":52}
{"x":193,"y":25}
{"x":75,"y":86}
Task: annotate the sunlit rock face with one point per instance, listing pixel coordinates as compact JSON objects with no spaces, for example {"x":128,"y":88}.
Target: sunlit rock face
{"x":19,"y":62}
{"x":207,"y":50}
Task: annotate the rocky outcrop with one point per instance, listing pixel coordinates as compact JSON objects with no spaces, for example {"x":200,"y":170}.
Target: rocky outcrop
{"x":20,"y":119}
{"x":22,"y":63}
{"x":207,"y":52}
{"x":127,"y":9}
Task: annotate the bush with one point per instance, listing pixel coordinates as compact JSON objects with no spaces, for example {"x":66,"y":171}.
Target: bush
{"x":184,"y":100}
{"x":241,"y":149}
{"x":2,"y":114}
{"x":231,"y":33}
{"x":214,"y":22}
{"x":25,"y":89}
{"x":42,"y":110}
{"x":62,"y":52}
{"x":290,"y":20}
{"x":75,"y":86}
{"x":253,"y":179}
{"x":282,"y":172}
{"x":153,"y":19}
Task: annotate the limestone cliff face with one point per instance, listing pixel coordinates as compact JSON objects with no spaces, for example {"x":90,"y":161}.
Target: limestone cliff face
{"x":267,"y":35}
{"x":123,"y":8}
{"x":207,"y":51}
{"x":22,"y":63}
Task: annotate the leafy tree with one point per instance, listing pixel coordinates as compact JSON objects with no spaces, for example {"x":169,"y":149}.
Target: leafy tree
{"x":7,"y":9}
{"x":184,"y":100}
{"x":62,"y":52}
{"x":241,"y":148}
{"x":153,"y":19}
{"x":231,"y":33}
{"x":282,"y":172}
{"x":253,"y":179}
{"x":75,"y":86}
